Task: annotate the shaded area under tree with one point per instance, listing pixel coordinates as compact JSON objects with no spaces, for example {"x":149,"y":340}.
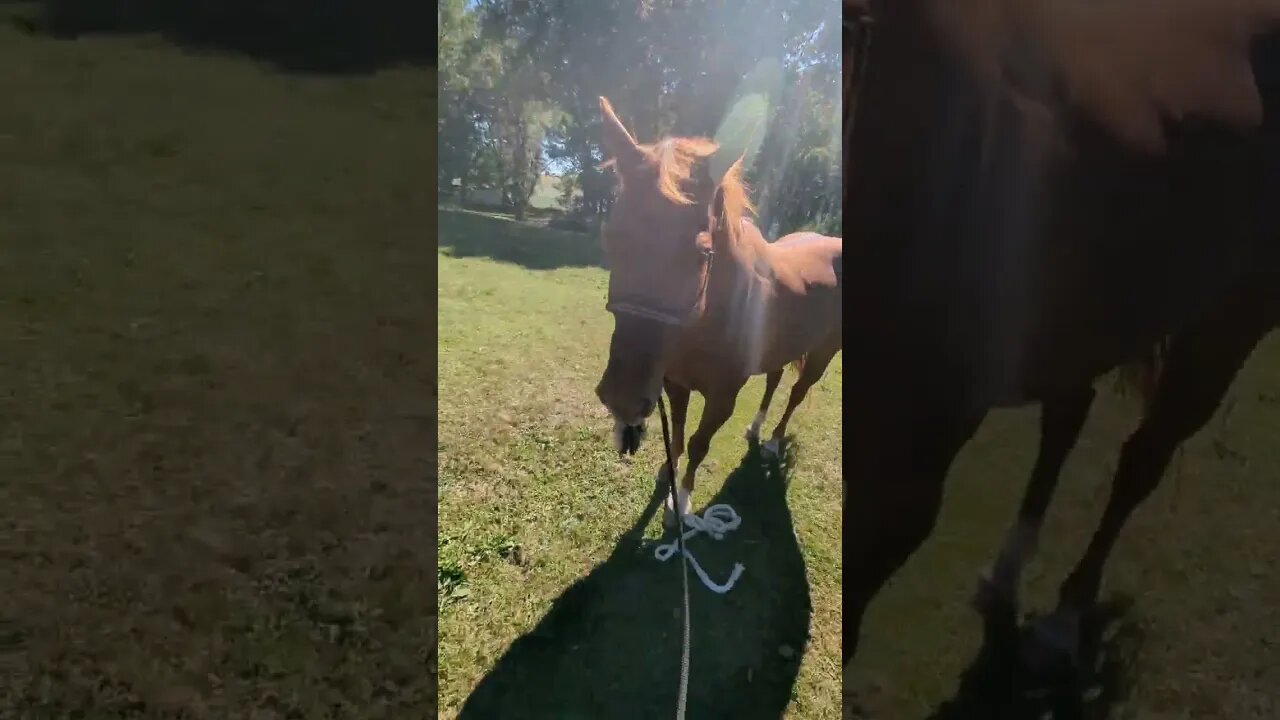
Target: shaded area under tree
{"x":303,"y":36}
{"x":464,"y":233}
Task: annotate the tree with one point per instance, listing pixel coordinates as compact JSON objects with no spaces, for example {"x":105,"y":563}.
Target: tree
{"x":525,"y":77}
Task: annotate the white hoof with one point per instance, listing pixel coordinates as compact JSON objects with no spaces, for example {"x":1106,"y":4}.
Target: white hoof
{"x":753,"y":431}
{"x":773,"y":447}
{"x":686,"y":503}
{"x":669,"y":513}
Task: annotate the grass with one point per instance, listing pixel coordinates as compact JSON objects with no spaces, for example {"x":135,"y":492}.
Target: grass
{"x":551,"y":607}
{"x":217,"y":441}
{"x":1191,"y":586}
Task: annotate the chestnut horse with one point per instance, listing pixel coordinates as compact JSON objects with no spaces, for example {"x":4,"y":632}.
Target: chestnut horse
{"x":1042,"y":191}
{"x":701,"y":301}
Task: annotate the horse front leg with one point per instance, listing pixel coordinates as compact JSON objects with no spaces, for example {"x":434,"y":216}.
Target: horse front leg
{"x":679,"y":396}
{"x":1062,"y":416}
{"x":720,"y":402}
{"x":897,"y":459}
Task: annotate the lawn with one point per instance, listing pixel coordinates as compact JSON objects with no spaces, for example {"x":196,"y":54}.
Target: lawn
{"x":551,"y":604}
{"x":1190,"y":615}
{"x":217,"y":415}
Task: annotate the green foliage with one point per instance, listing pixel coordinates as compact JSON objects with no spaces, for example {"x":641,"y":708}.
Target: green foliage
{"x":520,"y":82}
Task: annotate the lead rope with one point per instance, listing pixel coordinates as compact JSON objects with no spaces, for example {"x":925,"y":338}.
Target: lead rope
{"x":684,"y":576}
{"x":716,"y":521}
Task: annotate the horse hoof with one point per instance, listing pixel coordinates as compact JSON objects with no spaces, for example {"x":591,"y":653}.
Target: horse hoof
{"x":752,"y":434}
{"x":669,"y":519}
{"x":1052,"y":644}
{"x":772,"y":447}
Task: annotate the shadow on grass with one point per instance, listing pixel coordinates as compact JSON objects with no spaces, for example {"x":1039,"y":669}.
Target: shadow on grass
{"x":997,"y":686}
{"x":302,"y":36}
{"x":464,"y":233}
{"x":610,"y":645}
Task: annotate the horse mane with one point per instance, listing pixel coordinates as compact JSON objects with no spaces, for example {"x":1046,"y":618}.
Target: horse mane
{"x":1128,"y":64}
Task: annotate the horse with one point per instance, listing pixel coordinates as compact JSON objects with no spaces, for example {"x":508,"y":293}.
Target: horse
{"x":1042,"y":191}
{"x":701,"y":301}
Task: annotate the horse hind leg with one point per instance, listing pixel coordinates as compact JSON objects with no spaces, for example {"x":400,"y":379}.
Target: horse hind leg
{"x":1062,"y":416}
{"x":815,"y":364}
{"x":770,"y":384}
{"x":1199,"y":368}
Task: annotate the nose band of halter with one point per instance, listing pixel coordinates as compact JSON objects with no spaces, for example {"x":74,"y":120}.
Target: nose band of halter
{"x":640,"y":304}
{"x":642,"y":310}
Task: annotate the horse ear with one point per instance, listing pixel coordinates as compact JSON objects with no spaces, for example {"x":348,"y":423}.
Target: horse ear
{"x":717,"y":200}
{"x":617,"y":142}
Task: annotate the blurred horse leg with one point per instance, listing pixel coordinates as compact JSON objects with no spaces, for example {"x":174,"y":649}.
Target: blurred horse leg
{"x":815,"y":364}
{"x":897,"y":462}
{"x":1199,"y":368}
{"x":770,"y":384}
{"x":1062,"y":416}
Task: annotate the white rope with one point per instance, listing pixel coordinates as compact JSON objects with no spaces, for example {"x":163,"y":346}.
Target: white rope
{"x":717,"y":521}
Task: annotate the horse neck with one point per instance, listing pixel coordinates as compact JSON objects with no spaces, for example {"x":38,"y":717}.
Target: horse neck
{"x":743,"y":286}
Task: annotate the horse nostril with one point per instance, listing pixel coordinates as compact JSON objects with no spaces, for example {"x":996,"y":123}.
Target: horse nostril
{"x":646,"y":407}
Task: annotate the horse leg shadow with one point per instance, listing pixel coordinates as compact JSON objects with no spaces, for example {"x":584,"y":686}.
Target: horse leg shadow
{"x":998,"y":685}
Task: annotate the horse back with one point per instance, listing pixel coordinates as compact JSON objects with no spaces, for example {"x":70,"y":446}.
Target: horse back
{"x":805,"y":260}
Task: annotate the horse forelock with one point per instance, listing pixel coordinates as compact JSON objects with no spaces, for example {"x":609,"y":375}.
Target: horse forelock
{"x":675,"y":160}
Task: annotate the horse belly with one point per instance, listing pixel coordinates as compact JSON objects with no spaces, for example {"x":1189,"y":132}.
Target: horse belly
{"x":800,"y":324}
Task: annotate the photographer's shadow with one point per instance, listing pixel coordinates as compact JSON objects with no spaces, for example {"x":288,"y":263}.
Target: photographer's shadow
{"x":610,"y":646}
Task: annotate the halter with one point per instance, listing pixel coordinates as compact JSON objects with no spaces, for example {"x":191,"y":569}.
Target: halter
{"x":640,"y":307}
{"x":643,"y":307}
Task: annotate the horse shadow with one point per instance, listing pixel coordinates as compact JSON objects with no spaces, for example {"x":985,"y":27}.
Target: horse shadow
{"x":299,"y":36}
{"x":610,"y":646}
{"x":998,"y":685}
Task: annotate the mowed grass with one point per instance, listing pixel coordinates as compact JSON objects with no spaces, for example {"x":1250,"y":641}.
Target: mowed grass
{"x":216,"y":386}
{"x":1191,"y":588}
{"x":544,"y":607}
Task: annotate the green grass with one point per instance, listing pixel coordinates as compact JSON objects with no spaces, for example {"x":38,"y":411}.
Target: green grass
{"x":547,"y":611}
{"x":217,"y":434}
{"x":1197,"y":567}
